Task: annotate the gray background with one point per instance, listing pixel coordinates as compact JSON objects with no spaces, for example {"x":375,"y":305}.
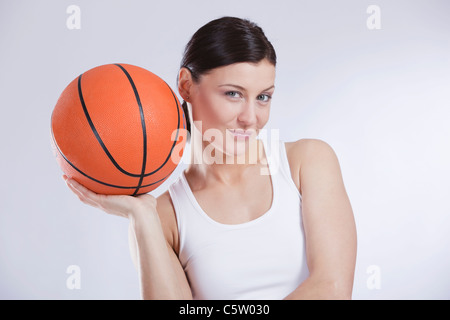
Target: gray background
{"x":380,"y":98}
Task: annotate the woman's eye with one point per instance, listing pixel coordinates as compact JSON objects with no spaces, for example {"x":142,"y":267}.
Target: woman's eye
{"x":233,"y":94}
{"x":264,"y":97}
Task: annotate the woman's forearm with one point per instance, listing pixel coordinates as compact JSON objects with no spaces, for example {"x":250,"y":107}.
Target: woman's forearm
{"x":154,"y":261}
{"x":160,"y":273}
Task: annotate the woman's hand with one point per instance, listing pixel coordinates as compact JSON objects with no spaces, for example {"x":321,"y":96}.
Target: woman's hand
{"x":160,"y":272}
{"x":119,"y":205}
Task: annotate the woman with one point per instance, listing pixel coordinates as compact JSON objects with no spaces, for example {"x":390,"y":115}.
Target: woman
{"x":224,"y":229}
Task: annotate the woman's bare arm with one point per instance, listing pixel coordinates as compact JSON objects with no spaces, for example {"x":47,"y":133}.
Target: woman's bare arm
{"x":160,"y":272}
{"x":328,"y":222}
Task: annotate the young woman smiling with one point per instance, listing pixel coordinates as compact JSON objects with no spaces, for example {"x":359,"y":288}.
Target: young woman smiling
{"x":224,"y":230}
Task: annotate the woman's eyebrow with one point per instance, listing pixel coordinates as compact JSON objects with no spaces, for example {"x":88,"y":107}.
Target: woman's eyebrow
{"x":242,"y":88}
{"x":232,"y":85}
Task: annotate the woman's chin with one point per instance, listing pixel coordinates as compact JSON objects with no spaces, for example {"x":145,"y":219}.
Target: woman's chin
{"x":247,"y":148}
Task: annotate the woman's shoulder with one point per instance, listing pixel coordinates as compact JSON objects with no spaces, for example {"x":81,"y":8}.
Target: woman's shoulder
{"x":305,"y":147}
{"x":303,"y":151}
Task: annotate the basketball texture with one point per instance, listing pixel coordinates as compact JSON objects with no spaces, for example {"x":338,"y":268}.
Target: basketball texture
{"x":117,"y":129}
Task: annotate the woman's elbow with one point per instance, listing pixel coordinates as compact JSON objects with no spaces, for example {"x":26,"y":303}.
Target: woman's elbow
{"x":339,"y":290}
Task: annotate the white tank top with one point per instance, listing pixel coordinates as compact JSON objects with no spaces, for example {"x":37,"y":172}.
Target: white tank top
{"x":260,"y":259}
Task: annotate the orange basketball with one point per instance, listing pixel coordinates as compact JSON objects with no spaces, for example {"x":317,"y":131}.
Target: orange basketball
{"x":118,"y":129}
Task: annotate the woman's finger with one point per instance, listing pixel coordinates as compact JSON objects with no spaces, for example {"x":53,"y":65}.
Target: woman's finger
{"x":110,"y":204}
{"x":85,"y":195}
{"x":81,"y":196}
{"x":119,"y":205}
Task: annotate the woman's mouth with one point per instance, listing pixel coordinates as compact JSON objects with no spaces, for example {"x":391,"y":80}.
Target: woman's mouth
{"x":241,"y":134}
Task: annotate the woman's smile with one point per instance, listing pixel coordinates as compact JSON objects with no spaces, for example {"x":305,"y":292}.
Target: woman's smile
{"x":241,"y":134}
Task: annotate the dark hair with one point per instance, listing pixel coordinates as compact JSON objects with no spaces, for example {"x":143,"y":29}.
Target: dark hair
{"x":222,"y":42}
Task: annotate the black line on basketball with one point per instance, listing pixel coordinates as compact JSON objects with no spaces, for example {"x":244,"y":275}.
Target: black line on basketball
{"x":176,"y":137}
{"x":144,"y":130}
{"x":98,"y":181}
{"x":97,"y":135}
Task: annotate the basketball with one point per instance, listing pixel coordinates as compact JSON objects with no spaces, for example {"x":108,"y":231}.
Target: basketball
{"x":118,"y":129}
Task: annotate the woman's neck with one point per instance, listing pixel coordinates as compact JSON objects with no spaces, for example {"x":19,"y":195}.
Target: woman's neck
{"x":209,"y":163}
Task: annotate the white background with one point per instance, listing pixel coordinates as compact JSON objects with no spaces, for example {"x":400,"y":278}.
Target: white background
{"x":379,"y":97}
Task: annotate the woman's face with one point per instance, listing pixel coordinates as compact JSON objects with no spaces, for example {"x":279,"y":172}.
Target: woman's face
{"x":231,"y":104}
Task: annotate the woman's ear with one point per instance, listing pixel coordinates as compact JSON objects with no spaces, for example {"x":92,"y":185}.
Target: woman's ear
{"x":185,"y":84}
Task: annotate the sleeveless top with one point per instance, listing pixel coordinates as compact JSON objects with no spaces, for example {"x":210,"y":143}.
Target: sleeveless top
{"x":261,"y":259}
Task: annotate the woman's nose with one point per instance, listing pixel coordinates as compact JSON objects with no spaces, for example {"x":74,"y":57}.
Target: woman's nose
{"x":247,"y":116}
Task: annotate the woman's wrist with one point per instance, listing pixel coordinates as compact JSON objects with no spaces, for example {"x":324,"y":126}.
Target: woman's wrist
{"x":143,"y":217}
